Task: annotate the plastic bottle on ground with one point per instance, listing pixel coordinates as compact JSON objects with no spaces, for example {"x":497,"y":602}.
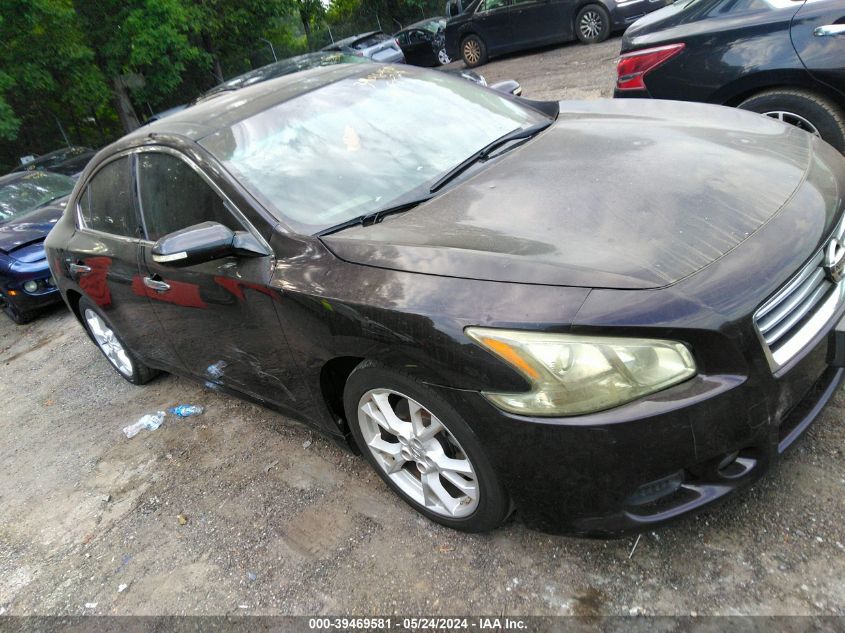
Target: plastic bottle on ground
{"x":186,"y":410}
{"x":151,"y":422}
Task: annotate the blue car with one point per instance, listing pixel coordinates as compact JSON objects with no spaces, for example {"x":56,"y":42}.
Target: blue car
{"x":30,"y":204}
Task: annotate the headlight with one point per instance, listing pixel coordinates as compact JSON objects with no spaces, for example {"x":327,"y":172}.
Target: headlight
{"x":572,"y":374}
{"x":31,"y":286}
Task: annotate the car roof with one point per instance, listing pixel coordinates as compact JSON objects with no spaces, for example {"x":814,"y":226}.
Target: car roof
{"x":230,"y":107}
{"x":421,"y":23}
{"x":73,"y":150}
{"x":277,"y":69}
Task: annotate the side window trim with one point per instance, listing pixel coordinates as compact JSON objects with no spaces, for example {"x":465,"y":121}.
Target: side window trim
{"x":80,"y":221}
{"x":230,"y":206}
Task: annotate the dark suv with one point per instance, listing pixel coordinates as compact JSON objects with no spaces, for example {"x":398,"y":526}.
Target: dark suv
{"x":487,"y":28}
{"x":781,"y":58}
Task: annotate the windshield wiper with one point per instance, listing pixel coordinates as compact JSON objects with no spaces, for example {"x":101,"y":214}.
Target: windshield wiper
{"x":375,"y":217}
{"x":484,"y":153}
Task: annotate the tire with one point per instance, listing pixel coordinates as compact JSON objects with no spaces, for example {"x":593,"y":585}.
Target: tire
{"x":592,"y":24}
{"x":443,"y":57}
{"x":473,"y":51}
{"x":17,"y":315}
{"x":126,"y":364}
{"x":422,"y":456}
{"x":805,"y":109}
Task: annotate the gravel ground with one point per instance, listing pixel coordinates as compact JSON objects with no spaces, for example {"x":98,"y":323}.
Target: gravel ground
{"x":279,"y":521}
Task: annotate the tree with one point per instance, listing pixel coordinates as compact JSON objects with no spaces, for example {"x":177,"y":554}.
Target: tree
{"x":144,"y":47}
{"x":49,"y":83}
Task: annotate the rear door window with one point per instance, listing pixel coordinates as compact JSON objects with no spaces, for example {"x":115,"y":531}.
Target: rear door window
{"x":107,"y":203}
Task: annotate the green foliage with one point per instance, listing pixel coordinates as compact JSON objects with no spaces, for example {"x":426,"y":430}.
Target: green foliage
{"x":65,"y":64}
{"x":48,"y":71}
{"x":9,"y":123}
{"x":161,"y":49}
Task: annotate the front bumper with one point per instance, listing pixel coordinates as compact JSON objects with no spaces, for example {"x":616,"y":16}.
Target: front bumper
{"x":655,"y":460}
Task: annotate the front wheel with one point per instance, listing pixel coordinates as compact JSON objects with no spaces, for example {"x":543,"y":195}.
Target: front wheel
{"x":443,"y":57}
{"x":111,"y":345}
{"x":592,"y":24}
{"x":474,"y":51}
{"x":423,"y":449}
{"x":803,"y":109}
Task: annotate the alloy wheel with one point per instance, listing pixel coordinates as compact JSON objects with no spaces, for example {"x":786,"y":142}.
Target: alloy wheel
{"x":442,"y":57}
{"x":793,"y":119}
{"x":418,"y":453}
{"x":472,"y":52}
{"x":108,"y":343}
{"x":591,"y":24}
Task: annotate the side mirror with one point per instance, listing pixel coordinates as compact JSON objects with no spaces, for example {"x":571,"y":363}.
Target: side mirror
{"x":203,"y":243}
{"x":509,"y":87}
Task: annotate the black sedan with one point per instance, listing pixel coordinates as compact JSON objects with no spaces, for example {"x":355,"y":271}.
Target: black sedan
{"x":490,"y":328}
{"x":781,"y":58}
{"x":487,"y":28}
{"x":424,"y":43}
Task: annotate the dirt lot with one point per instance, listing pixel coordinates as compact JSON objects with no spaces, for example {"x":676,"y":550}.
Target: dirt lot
{"x":279,"y":521}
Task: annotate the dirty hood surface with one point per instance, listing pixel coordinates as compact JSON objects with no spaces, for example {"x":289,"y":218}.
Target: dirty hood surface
{"x":616,"y":194}
{"x":32,"y":227}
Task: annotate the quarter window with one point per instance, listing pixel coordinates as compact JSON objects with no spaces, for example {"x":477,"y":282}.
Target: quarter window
{"x":174,"y":196}
{"x":106,"y":204}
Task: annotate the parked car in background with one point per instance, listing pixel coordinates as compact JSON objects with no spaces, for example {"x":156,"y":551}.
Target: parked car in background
{"x":424,"y":43}
{"x":487,"y":28}
{"x":781,"y":58}
{"x":374,"y":45}
{"x":69,"y":161}
{"x":31,"y":202}
{"x":427,"y":270}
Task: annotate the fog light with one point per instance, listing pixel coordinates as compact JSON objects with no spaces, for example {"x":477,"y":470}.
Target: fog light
{"x":31,"y":286}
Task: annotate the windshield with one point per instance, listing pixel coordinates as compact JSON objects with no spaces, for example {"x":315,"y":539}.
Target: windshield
{"x":355,"y":146}
{"x":32,"y":190}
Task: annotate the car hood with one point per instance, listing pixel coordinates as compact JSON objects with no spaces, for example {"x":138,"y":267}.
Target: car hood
{"x":616,"y":194}
{"x":17,"y":233}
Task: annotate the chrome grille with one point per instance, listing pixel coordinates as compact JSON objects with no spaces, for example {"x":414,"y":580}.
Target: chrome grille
{"x":790,"y":320}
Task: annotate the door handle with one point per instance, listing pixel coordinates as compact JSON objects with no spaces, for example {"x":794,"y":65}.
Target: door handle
{"x":829,"y":29}
{"x":78,"y":269}
{"x":155,"y":284}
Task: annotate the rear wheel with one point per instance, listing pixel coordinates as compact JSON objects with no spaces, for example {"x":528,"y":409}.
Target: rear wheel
{"x":423,"y":449}
{"x":474,"y":51}
{"x":592,"y":24}
{"x":111,"y":345}
{"x":803,"y":109}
